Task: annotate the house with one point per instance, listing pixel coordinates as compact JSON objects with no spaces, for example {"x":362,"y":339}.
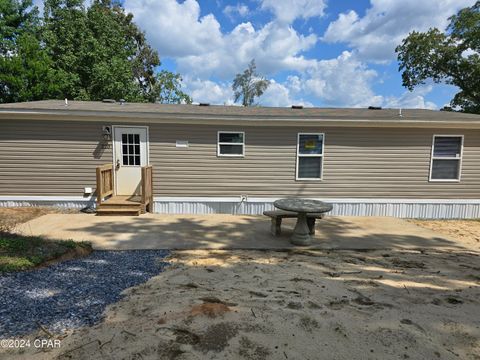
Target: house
{"x":229,"y":159}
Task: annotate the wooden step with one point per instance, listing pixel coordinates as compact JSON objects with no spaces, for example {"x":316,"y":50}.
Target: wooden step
{"x":102,"y":211}
{"x":121,"y":206}
{"x":114,"y":206}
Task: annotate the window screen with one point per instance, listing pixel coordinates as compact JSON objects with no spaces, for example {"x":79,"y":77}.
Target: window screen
{"x":446,"y":157}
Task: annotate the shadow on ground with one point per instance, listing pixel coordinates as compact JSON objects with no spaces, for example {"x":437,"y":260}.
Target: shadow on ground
{"x":73,"y":293}
{"x":234,"y":232}
{"x":295,"y":304}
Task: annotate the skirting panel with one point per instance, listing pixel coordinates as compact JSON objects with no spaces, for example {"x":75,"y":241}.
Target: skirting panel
{"x":436,"y":209}
{"x":60,"y":202}
{"x":402,"y":208}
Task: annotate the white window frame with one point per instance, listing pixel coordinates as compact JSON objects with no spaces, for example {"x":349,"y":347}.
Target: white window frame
{"x":457,"y":158}
{"x":229,"y":143}
{"x":310,"y":155}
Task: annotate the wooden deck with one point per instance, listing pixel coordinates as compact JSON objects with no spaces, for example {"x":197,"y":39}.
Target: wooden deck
{"x":134,"y":205}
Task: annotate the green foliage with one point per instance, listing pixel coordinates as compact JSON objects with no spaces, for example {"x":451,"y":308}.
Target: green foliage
{"x":15,"y":19}
{"x":249,"y":85}
{"x":25,"y":68}
{"x":452,"y":57}
{"x":27,"y":75}
{"x":167,"y":89}
{"x":25,"y":252}
{"x":78,"y":52}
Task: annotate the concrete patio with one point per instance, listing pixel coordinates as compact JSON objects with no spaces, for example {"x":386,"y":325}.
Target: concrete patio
{"x":162,"y":231}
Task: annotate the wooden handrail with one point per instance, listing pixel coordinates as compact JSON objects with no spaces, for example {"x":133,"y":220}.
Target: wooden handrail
{"x":147,"y":188}
{"x":104,"y":182}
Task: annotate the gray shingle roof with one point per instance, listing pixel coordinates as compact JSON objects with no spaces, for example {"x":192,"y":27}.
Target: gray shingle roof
{"x":331,"y":113}
{"x":57,"y":106}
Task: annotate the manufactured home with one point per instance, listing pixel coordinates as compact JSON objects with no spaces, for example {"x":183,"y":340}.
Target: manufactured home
{"x":229,"y":159}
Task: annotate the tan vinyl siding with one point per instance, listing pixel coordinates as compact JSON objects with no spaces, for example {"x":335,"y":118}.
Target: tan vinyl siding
{"x":358,"y":162}
{"x":55,"y":158}
{"x":49,"y":158}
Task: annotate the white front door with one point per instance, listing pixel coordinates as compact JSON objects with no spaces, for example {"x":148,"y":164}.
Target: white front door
{"x":131,"y":153}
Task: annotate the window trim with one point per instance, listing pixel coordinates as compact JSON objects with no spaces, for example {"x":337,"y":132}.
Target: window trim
{"x":460,"y":159}
{"x":322,"y":156}
{"x":228,"y":143}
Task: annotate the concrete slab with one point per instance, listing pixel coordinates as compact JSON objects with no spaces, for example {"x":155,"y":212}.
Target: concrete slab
{"x":162,"y":231}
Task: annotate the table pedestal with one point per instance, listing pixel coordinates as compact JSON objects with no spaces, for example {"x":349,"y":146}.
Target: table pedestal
{"x":301,"y":233}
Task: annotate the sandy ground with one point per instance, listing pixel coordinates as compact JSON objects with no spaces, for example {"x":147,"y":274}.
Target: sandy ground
{"x":466,"y":232}
{"x":10,"y":218}
{"x":297,"y":304}
{"x":291,"y":305}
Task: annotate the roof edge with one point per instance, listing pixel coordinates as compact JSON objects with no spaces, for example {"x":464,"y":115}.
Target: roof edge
{"x":146,"y":117}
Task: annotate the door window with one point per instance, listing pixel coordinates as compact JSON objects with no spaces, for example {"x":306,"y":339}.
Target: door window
{"x":131,"y":149}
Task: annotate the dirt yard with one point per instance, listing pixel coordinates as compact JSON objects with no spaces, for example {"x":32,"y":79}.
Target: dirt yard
{"x":292,"y":305}
{"x":466,"y":231}
{"x":11,"y":217}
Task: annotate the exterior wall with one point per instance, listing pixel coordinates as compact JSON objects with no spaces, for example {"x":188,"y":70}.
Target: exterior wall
{"x":50,"y":158}
{"x":358,"y":163}
{"x":367,"y":171}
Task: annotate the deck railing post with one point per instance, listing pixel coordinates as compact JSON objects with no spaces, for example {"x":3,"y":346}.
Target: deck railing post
{"x":147,"y":179}
{"x":105,"y":182}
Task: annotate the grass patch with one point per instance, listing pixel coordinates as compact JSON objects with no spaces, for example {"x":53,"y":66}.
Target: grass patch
{"x":26,"y":252}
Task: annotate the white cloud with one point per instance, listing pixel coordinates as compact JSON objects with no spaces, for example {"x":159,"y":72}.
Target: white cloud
{"x":289,"y":10}
{"x":208,"y":58}
{"x":231,"y":11}
{"x":280,"y":95}
{"x":201,"y":49}
{"x":343,"y":81}
{"x":274,"y":47}
{"x":176,"y":29}
{"x":207,"y":91}
{"x":412,"y":99}
{"x":387,"y":22}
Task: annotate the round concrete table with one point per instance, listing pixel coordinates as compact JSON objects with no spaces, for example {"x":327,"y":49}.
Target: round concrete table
{"x":301,"y":234}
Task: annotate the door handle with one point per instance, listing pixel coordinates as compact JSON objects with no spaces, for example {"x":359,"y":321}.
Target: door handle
{"x":117,"y":166}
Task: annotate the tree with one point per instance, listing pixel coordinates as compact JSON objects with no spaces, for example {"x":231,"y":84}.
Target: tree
{"x":167,"y":89}
{"x":25,"y":68}
{"x":65,"y":33}
{"x":102,"y":53}
{"x":452,"y":57}
{"x":249,"y":85}
{"x":78,"y":52}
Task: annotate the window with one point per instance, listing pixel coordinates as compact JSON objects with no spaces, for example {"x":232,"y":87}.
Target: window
{"x":446,"y":162}
{"x":131,"y":149}
{"x":309,"y":156}
{"x":231,"y":143}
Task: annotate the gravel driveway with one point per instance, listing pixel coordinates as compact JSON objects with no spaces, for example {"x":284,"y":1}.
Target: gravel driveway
{"x":73,"y":293}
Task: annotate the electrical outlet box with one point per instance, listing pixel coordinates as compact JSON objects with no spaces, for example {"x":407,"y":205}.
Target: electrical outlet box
{"x":87,"y":190}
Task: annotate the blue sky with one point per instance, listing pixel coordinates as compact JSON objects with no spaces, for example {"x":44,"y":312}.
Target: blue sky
{"x":315,"y":52}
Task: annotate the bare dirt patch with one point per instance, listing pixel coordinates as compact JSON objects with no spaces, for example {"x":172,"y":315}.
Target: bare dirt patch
{"x":466,"y":231}
{"x":11,"y":217}
{"x":375,"y":307}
